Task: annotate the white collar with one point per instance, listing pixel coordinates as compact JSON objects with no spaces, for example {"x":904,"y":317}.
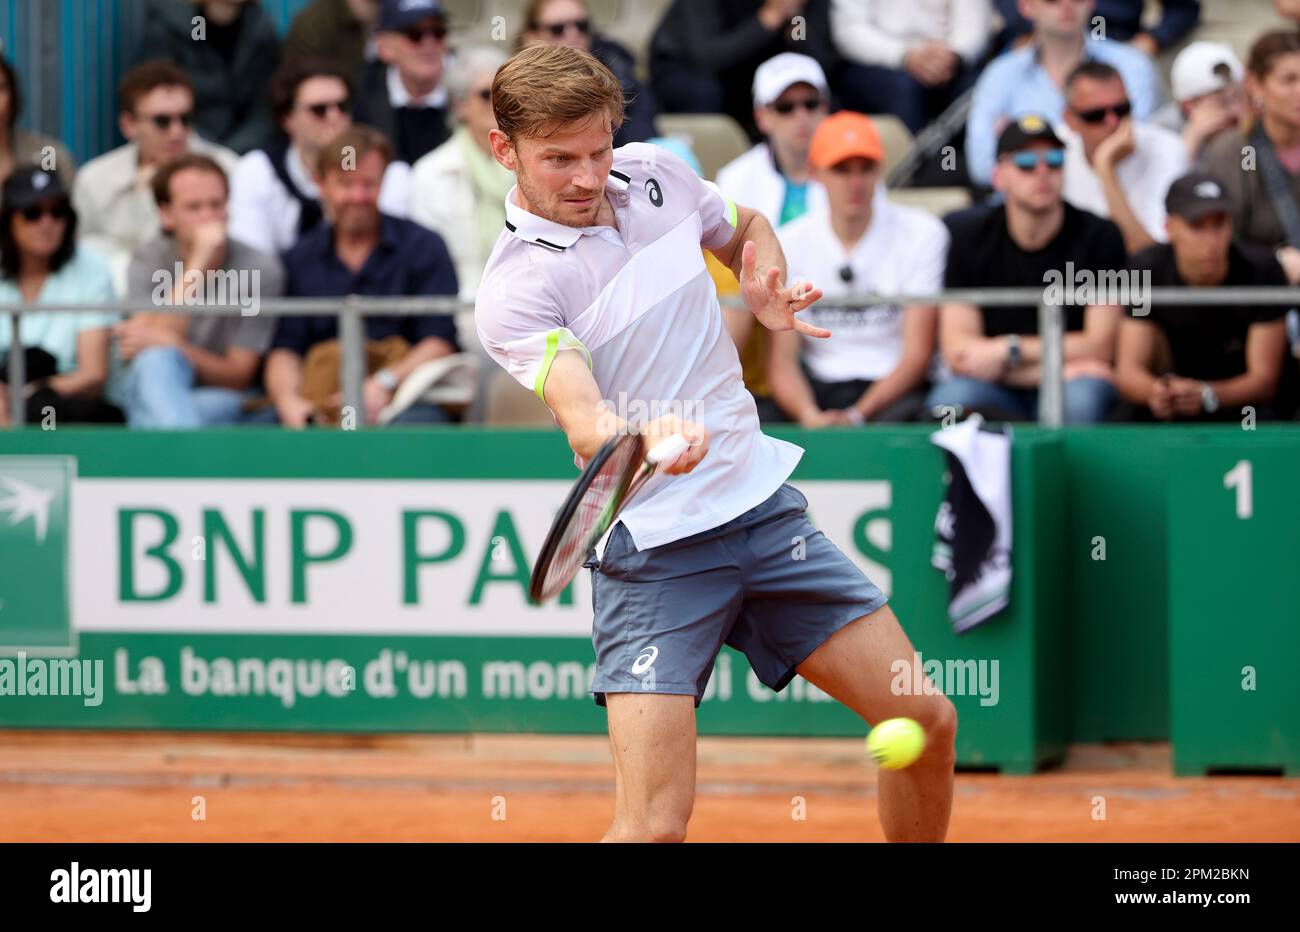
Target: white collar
{"x":557,"y":236}
{"x":399,"y":97}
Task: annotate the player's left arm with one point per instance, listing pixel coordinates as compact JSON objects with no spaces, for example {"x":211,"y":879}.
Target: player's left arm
{"x":754,"y":254}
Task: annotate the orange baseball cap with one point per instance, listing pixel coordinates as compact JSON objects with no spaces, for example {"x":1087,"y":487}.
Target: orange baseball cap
{"x":845,"y":135}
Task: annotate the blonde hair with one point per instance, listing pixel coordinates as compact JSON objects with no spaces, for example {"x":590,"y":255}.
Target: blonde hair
{"x":547,"y":87}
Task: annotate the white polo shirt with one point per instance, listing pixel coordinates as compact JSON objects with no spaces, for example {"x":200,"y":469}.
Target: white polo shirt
{"x":903,"y":252}
{"x":1158,"y":159}
{"x":639,"y":304}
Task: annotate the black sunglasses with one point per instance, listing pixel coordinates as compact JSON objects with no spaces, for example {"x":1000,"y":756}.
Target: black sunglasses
{"x":417,"y":33}
{"x":787,"y":107}
{"x":320,"y":110}
{"x":1096,"y":116}
{"x":164,"y":121}
{"x":59,"y":211}
{"x":557,"y":29}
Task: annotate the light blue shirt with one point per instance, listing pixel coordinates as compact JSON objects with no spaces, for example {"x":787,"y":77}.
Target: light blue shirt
{"x":1015,"y":84}
{"x":84,"y":279}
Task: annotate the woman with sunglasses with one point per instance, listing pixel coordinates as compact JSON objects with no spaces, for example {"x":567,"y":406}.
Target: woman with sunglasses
{"x":18,"y":147}
{"x":230,"y":63}
{"x":66,"y":354}
{"x":568,"y":22}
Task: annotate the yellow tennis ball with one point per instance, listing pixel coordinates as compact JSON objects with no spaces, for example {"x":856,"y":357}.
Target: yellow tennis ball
{"x":896,"y":743}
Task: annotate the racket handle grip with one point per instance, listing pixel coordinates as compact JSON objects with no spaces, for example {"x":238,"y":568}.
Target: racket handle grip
{"x":667,"y":450}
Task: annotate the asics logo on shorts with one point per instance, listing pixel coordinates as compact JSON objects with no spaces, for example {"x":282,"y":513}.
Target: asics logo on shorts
{"x":644,"y":661}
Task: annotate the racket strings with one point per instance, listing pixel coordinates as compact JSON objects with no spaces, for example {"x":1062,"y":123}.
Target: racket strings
{"x":591,"y":518}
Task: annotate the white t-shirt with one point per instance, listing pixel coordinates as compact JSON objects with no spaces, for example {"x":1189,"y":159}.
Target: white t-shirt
{"x":1158,"y":159}
{"x":903,"y":252}
{"x":639,"y":304}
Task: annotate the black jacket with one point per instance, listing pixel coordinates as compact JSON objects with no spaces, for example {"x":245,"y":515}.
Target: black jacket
{"x":372,"y":107}
{"x":639,"y":102}
{"x":231,"y":106}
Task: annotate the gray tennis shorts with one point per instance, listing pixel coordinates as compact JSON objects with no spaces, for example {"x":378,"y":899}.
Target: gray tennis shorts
{"x":767,"y":583}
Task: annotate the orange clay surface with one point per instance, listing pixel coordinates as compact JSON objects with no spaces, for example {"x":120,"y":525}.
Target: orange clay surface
{"x":115,"y":786}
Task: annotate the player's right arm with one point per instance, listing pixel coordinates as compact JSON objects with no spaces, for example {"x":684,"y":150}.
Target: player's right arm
{"x":571,"y":392}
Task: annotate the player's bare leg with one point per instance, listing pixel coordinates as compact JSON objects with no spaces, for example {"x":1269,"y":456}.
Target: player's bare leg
{"x":853,"y":666}
{"x":653,"y":739}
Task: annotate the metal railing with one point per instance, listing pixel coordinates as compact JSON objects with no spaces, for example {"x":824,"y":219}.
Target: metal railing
{"x":352,"y":310}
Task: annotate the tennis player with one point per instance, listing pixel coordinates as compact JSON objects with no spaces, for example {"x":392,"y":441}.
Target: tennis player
{"x":597,"y":297}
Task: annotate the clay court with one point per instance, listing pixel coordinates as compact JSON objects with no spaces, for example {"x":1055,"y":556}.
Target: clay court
{"x":114,"y":786}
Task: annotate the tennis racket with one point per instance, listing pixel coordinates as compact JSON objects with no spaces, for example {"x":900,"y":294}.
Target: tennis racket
{"x":610,"y":479}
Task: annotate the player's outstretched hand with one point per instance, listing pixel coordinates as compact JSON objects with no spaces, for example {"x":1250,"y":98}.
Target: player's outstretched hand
{"x":696,"y":434}
{"x":771,"y":302}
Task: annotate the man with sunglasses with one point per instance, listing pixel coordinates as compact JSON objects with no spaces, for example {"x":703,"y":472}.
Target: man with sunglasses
{"x":112,"y":194}
{"x":1030,"y":79}
{"x":995,"y":352}
{"x":274,"y":197}
{"x":1116,"y":166}
{"x":791,"y":98}
{"x":403,"y":94}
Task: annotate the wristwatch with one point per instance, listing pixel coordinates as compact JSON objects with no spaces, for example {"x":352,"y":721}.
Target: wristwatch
{"x":1209,"y":400}
{"x":386,"y":380}
{"x":1013,"y":350}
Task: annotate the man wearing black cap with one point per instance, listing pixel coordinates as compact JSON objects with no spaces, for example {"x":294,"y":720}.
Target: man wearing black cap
{"x":402,"y":95}
{"x":1027,"y":241}
{"x":1203,"y":362}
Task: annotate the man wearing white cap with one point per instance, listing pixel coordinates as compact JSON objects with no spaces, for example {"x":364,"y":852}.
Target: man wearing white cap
{"x":1206,"y":80}
{"x":790,"y":98}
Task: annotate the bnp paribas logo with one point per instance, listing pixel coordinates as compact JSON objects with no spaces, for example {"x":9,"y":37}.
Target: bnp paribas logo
{"x":35,"y":499}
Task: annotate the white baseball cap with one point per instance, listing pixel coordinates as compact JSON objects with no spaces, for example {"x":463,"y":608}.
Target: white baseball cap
{"x":781,"y":71}
{"x":1203,"y":68}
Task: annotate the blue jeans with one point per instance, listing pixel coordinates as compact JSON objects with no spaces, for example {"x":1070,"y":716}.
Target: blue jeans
{"x":876,"y":89}
{"x":160,"y":393}
{"x":418,"y":413}
{"x":1086,"y":399}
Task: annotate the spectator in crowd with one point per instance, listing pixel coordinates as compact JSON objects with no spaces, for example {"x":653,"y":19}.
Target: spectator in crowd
{"x":403,"y":94}
{"x":359,"y":251}
{"x":65,"y":354}
{"x":1209,"y":98}
{"x":20,"y":148}
{"x":1287,"y":9}
{"x":113,"y":194}
{"x":194,"y":371}
{"x":875,"y":367}
{"x":459,"y":190}
{"x":994,"y":352}
{"x":1121,"y":19}
{"x":274,"y":198}
{"x":908,"y":59}
{"x":791,"y":98}
{"x":229,"y":55}
{"x":704,"y":52}
{"x":1030,"y":79}
{"x":1203,"y":362}
{"x":338,"y":31}
{"x":1266,"y":212}
{"x":1115,"y":166}
{"x":568,"y":22}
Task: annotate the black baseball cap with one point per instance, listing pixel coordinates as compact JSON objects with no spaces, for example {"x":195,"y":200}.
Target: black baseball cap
{"x":1195,"y":195}
{"x":398,"y":14}
{"x":28,"y":186}
{"x":1025,"y":131}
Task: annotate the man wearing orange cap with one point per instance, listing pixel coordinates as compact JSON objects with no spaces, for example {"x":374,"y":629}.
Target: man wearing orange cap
{"x":877,"y":364}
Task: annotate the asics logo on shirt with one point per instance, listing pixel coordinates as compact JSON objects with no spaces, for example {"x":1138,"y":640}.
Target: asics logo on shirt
{"x":656,"y":195}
